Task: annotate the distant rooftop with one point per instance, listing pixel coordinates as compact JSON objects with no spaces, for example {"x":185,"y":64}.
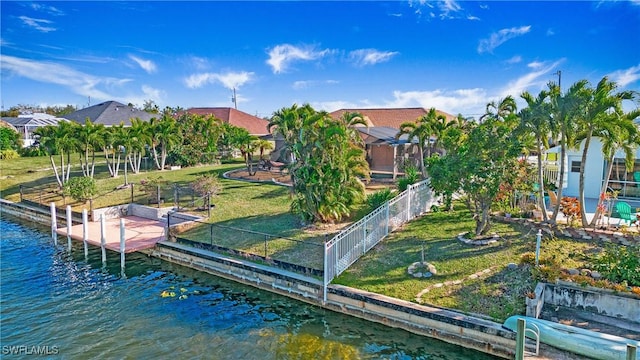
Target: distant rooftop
{"x":109,"y":113}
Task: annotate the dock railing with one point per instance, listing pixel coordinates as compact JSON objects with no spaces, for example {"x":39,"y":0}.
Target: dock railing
{"x":351,"y":243}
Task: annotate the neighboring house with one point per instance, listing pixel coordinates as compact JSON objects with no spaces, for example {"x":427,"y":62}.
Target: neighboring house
{"x":255,"y":125}
{"x":385,"y":154}
{"x":26,"y":124}
{"x":109,"y":113}
{"x":627,"y":183}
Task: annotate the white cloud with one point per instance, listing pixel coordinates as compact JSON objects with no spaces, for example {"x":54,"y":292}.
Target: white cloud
{"x":465,"y":101}
{"x":514,"y":60}
{"x":363,"y":57}
{"x":471,"y":17}
{"x":53,"y":73}
{"x":229,"y":80}
{"x":537,"y":78}
{"x":38,"y":24}
{"x":626,"y":76}
{"x":447,"y":7}
{"x":550,"y":32}
{"x":498,"y":38}
{"x":281,"y":56}
{"x":304,"y":84}
{"x":147,"y":65}
{"x":46,"y":8}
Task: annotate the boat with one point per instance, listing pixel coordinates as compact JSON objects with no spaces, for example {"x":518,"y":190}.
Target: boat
{"x":576,"y":340}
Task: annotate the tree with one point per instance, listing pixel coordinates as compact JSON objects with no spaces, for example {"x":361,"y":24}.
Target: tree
{"x":80,"y":188}
{"x":58,"y":140}
{"x":246,"y":143}
{"x":619,"y":133}
{"x":565,"y":110}
{"x":89,"y":138}
{"x":536,"y":119}
{"x":207,"y":185}
{"x":327,"y":170}
{"x":9,"y":139}
{"x":600,"y":103}
{"x":422,"y":129}
{"x":288,"y":123}
{"x":166,"y":134}
{"x":262,"y":145}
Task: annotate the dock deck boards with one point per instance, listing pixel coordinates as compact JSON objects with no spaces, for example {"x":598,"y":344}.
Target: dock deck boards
{"x":140,"y":233}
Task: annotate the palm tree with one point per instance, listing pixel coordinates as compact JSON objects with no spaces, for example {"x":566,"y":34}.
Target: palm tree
{"x":565,"y":110}
{"x":58,"y":139}
{"x":350,"y":120}
{"x":288,"y":123}
{"x":89,"y":137}
{"x":140,"y":137}
{"x":535,"y":119}
{"x":165,"y":135}
{"x":263,"y":145}
{"x":600,"y":103}
{"x":619,"y":133}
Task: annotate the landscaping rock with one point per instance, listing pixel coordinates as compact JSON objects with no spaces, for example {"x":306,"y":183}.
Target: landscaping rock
{"x":512,"y":266}
{"x":573,"y":271}
{"x":596,"y":275}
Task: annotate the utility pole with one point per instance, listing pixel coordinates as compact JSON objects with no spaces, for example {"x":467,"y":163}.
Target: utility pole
{"x":559,"y":73}
{"x":234,"y":99}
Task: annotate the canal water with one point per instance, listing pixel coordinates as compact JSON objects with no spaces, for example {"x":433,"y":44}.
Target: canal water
{"x":66,"y":306}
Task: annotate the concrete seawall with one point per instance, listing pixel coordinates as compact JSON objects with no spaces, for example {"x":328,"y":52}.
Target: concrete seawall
{"x":442,"y":324}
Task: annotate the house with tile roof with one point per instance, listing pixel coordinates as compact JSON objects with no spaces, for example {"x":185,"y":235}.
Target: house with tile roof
{"x":109,"y":113}
{"x":387,"y":155}
{"x":255,"y":125}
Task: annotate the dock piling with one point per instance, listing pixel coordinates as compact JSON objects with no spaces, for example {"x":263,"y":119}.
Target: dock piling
{"x":85,"y":232}
{"x":69,"y":225}
{"x":122,"y":244}
{"x":103,"y":233}
{"x":54,"y":223}
{"x":520,"y":330}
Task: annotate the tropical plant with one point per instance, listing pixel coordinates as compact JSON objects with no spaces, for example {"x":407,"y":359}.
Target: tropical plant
{"x":411,"y":176}
{"x":165,"y":135}
{"x":58,"y":140}
{"x":378,"y":198}
{"x":263,"y":145}
{"x":80,"y":188}
{"x":207,"y":185}
{"x":601,"y":103}
{"x":9,"y":139}
{"x":620,"y":264}
{"x":90,"y":137}
{"x":535,"y":119}
{"x":422,"y":129}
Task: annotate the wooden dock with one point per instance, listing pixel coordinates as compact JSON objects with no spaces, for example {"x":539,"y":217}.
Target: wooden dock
{"x":140,"y":233}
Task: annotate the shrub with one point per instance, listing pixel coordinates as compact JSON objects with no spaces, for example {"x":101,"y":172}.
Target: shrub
{"x":378,"y":198}
{"x":620,"y":264}
{"x":33,"y":151}
{"x":80,"y":188}
{"x":9,"y":154}
{"x":411,"y":176}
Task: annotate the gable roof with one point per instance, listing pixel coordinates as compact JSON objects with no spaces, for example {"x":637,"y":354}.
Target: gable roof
{"x":255,"y":125}
{"x":33,"y":120}
{"x":109,"y":113}
{"x":392,"y":117}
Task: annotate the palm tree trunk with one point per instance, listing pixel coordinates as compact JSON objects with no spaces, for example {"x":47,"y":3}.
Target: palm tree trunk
{"x":605,"y":185}
{"x":563,"y":153}
{"x":62,"y":168}
{"x":422,"y":169}
{"x":583,"y":214}
{"x":109,"y":165}
{"x":93,"y":163}
{"x":55,"y":170}
{"x":543,"y":206}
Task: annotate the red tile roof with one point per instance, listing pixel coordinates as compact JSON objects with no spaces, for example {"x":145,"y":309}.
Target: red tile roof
{"x":255,"y":125}
{"x":390,"y":117}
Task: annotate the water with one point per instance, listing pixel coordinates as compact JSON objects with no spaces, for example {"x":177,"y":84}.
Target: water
{"x":68,"y":307}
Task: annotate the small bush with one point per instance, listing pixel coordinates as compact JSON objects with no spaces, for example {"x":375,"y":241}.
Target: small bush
{"x":33,"y":151}
{"x":378,"y":198}
{"x":80,"y":188}
{"x":9,"y":154}
{"x":620,"y":264}
{"x":411,"y":176}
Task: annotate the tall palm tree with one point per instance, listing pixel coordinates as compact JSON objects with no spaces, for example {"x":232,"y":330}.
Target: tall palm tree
{"x":140,"y":137}
{"x":566,"y":109}
{"x":89,"y":138}
{"x":619,"y":133}
{"x":535,"y":119}
{"x":166,"y":134}
{"x":421,"y":129}
{"x":599,"y":104}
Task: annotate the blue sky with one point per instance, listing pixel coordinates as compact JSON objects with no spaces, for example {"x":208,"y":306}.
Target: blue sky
{"x":452,"y":55}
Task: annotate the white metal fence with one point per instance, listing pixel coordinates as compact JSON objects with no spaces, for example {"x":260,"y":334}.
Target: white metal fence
{"x":353,"y":242}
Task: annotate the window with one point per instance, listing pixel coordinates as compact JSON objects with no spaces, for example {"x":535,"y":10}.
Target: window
{"x":575,"y":166}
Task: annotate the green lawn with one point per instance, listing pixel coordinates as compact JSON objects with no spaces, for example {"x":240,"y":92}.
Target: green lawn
{"x":498,"y":294}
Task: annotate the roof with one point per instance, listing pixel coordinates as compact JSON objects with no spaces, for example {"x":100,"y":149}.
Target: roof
{"x":383,"y":135}
{"x":255,"y":125}
{"x":109,"y":113}
{"x":392,"y":117}
{"x":33,"y":121}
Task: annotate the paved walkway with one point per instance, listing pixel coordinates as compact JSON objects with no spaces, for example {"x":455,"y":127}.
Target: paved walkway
{"x":140,"y":233}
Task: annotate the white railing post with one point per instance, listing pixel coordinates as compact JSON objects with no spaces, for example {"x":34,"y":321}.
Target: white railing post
{"x":387,"y":217}
{"x":122,"y":244}
{"x":54,"y":223}
{"x":69,"y":224}
{"x":85,"y":232}
{"x":103,"y":233}
{"x":326,"y":272}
